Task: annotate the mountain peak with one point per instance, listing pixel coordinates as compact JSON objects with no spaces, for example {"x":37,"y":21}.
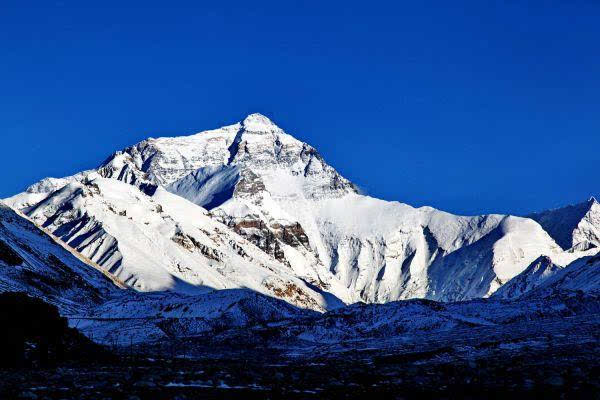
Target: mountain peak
{"x":571,"y":226}
{"x":258,"y":123}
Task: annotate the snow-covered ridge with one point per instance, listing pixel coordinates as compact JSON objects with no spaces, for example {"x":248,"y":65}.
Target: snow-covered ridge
{"x":544,"y":278}
{"x":249,"y":205}
{"x":573,"y":227}
{"x":533,"y":277}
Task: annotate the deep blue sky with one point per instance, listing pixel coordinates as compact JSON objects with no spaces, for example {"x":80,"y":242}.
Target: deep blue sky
{"x":465,"y":106}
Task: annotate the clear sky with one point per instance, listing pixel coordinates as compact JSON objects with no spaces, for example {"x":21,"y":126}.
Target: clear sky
{"x":464,"y":106}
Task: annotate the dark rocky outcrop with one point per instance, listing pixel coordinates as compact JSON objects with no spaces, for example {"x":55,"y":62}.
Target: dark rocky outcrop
{"x":8,"y":255}
{"x":34,"y":334}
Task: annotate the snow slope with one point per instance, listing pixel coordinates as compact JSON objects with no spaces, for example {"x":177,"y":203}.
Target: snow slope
{"x":533,"y":276}
{"x":33,"y":262}
{"x":581,"y":275}
{"x":573,"y":227}
{"x":162,"y":242}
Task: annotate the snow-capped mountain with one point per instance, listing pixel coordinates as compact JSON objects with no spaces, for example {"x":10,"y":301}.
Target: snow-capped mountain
{"x":533,"y":276}
{"x":543,"y":278}
{"x":581,"y":275}
{"x":248,"y":205}
{"x":574,"y":227}
{"x":33,"y":261}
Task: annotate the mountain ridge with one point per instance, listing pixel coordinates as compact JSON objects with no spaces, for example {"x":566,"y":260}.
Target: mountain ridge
{"x":574,"y":226}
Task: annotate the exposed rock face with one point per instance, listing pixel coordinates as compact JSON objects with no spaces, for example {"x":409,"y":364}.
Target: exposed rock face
{"x":292,"y":234}
{"x":191,"y":244}
{"x":269,"y":238}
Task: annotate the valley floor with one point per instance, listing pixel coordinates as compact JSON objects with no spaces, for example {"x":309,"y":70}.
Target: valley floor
{"x":553,"y":358}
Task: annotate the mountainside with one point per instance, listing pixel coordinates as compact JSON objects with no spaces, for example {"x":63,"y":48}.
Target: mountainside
{"x":573,"y":227}
{"x":582,"y":275}
{"x":32,"y":262}
{"x":162,"y":242}
{"x":533,"y":276}
{"x":249,"y":206}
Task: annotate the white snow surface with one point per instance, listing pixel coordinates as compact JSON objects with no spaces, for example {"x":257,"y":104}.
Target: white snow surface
{"x":574,"y":227}
{"x":582,"y":275}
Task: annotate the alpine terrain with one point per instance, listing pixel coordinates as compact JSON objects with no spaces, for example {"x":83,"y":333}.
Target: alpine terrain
{"x":242,"y":243}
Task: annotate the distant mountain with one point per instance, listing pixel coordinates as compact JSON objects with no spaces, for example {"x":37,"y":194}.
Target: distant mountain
{"x":250,"y":206}
{"x":533,"y":277}
{"x":575,"y":227}
{"x":582,"y":275}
